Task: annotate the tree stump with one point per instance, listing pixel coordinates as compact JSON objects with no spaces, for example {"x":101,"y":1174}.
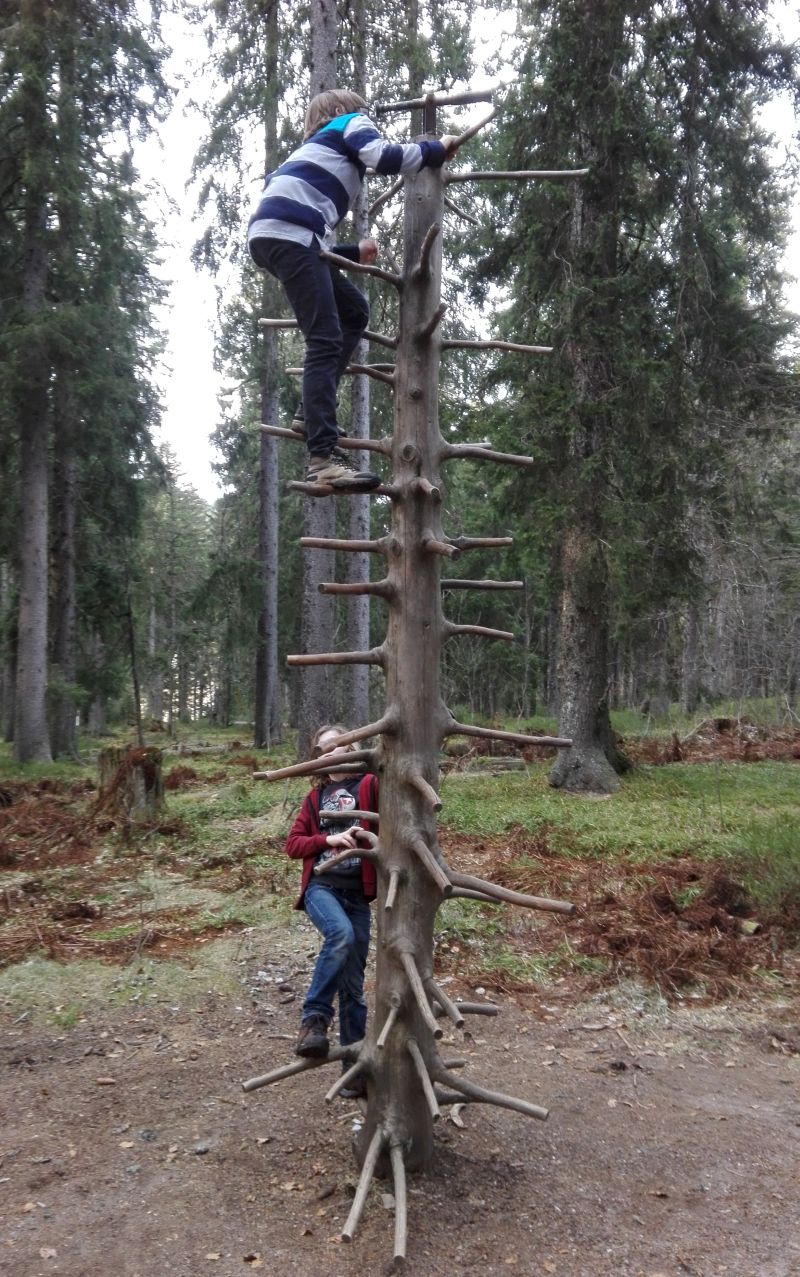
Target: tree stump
{"x":131,"y":783}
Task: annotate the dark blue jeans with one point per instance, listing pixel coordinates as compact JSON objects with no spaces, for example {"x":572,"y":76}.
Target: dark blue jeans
{"x":331,"y":314}
{"x":343,"y":918}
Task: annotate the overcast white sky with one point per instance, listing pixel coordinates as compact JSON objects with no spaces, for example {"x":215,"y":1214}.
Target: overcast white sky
{"x":191,"y":386}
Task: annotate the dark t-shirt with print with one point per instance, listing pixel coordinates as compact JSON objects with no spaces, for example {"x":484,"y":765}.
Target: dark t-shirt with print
{"x":339,"y":795}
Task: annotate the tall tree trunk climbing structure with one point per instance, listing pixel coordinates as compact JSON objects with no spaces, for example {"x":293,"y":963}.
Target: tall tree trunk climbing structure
{"x":408,"y":1082}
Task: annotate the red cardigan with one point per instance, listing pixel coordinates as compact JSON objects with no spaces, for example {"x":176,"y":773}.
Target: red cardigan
{"x":305,"y":842}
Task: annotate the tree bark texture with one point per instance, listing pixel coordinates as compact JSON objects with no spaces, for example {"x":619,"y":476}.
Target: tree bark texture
{"x":31,"y":738}
{"x":318,"y":613}
{"x":585,"y":595}
{"x":267,"y":716}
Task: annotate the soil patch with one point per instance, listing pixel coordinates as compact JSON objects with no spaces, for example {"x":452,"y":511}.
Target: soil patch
{"x":672,"y":1146}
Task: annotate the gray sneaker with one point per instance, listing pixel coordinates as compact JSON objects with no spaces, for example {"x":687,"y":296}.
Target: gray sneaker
{"x":328,"y":471}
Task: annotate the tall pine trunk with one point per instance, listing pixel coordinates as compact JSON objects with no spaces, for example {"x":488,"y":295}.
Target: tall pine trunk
{"x":31,"y":737}
{"x":318,"y":614}
{"x":267,"y":716}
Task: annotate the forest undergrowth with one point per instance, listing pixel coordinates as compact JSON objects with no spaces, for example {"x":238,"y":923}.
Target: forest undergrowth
{"x":687,"y":880}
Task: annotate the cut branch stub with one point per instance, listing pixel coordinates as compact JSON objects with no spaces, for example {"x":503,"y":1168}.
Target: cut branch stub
{"x":493,"y":733}
{"x":459,"y":344}
{"x":516,"y":175}
{"x":481,"y":1095}
{"x":400,"y":1202}
{"x":483,"y":631}
{"x":373,"y":657}
{"x":418,"y":989}
{"x":337,"y":543}
{"x":359,"y":268}
{"x":349,"y":1053}
{"x":367,"y":1171}
{"x":385,"y":726}
{"x":387,"y":195}
{"x":459,"y":583}
{"x":449,"y":1007}
{"x":355,"y":758}
{"x":423,"y":852}
{"x":380,"y":339}
{"x":422,"y":269}
{"x":381,"y":589}
{"x":511,"y":897}
{"x":451,"y":451}
{"x":412,"y":1046}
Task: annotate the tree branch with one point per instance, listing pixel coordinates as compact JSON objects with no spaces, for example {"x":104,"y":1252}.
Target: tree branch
{"x":424,"y":1077}
{"x":481,"y":1095}
{"x":358,"y":268}
{"x":367,"y":1171}
{"x":511,"y":897}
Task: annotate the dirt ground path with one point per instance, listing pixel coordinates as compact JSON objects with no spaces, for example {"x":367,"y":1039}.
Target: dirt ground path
{"x":128,"y":1147}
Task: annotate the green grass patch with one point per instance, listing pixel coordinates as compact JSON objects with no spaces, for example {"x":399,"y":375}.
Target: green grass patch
{"x":682,"y":809}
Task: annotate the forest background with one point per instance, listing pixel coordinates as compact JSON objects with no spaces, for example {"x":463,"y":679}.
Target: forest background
{"x":656,"y":536}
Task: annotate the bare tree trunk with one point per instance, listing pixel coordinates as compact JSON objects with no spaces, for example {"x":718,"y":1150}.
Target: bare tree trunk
{"x":317,"y":614}
{"x":267,"y":715}
{"x":583,"y":667}
{"x":31,"y":737}
{"x":63,"y":705}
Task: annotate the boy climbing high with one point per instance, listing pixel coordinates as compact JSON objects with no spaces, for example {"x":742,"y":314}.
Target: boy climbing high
{"x":302,"y":203}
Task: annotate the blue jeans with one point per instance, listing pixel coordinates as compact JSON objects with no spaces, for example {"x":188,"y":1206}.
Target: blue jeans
{"x":343,"y":919}
{"x":331,"y":314}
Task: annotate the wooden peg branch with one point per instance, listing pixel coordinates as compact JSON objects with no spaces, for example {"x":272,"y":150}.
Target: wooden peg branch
{"x":427,"y":330}
{"x":459,"y":212}
{"x":516,"y":175}
{"x":347,"y":759}
{"x":517,"y":738}
{"x":418,"y":781}
{"x":368,"y":445}
{"x":354,"y":814}
{"x":391,"y":892}
{"x":345,"y":1080}
{"x":448,"y":1006}
{"x":457,"y":344}
{"x":359,"y":268}
{"x":511,"y":897}
{"x":369,"y":370}
{"x":466,"y":98}
{"x":464,"y":893}
{"x":349,"y":1053}
{"x":380,"y":339}
{"x":425,"y":488}
{"x":482,"y":630}
{"x":422,"y":270}
{"x":336,"y":543}
{"x":433,"y":546}
{"x":471,"y":1008}
{"x":367,"y":1171}
{"x":400,"y":1203}
{"x":383,"y":589}
{"x":421,"y":849}
{"x":455,"y":1062}
{"x":373,"y":657}
{"x":475,"y":543}
{"x":385,"y":197}
{"x":473,"y":129}
{"x":461,"y":583}
{"x":417,"y":988}
{"x":450,"y":451}
{"x":385,"y":726}
{"x":332,"y":490}
{"x":481,"y":1095}
{"x":422,"y":1073}
{"x":365,"y":853}
{"x":388,"y":1025}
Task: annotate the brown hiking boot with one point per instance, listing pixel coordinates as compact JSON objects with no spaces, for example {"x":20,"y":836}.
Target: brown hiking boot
{"x":312,"y":1040}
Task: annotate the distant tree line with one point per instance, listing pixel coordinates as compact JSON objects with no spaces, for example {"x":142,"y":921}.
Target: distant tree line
{"x":658,"y":535}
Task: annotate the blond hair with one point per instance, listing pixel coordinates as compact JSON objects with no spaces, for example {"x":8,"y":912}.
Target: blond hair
{"x":326,"y":106}
{"x":321,"y":779}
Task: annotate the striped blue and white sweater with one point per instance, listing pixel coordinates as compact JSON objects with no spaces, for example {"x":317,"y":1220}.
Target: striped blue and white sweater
{"x":313,"y":190}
